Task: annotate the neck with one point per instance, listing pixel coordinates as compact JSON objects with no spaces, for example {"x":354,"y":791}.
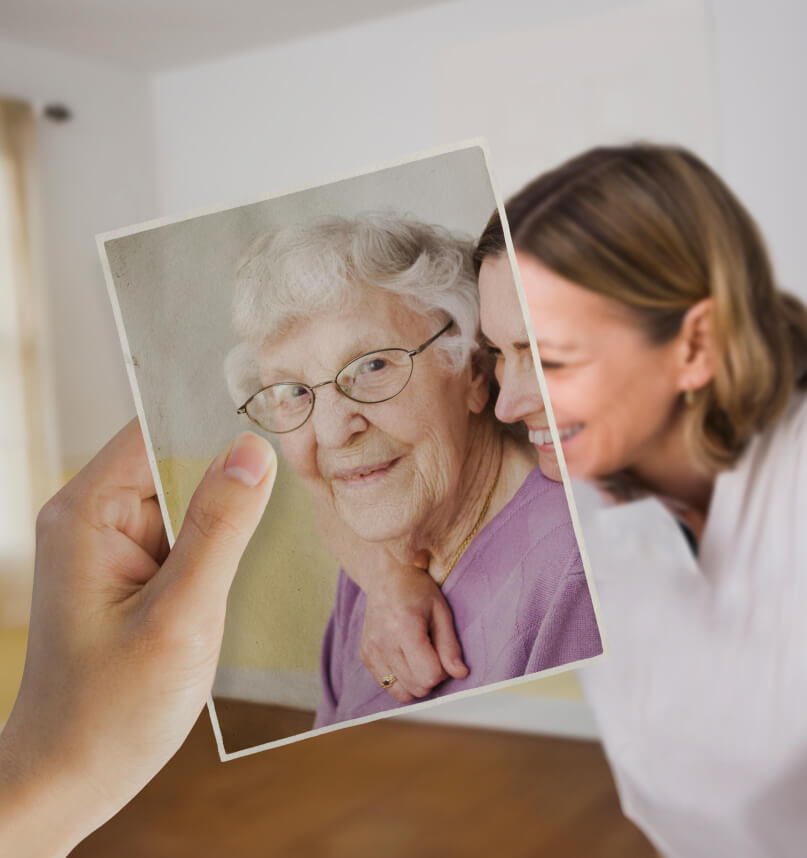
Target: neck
{"x":671,"y":473}
{"x":494,"y":466}
{"x":480,"y":469}
{"x":434,"y":542}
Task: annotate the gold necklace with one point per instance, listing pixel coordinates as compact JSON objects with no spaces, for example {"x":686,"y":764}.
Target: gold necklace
{"x":465,"y":542}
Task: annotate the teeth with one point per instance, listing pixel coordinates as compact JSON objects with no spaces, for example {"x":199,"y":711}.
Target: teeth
{"x":541,"y":437}
{"x":569,"y":431}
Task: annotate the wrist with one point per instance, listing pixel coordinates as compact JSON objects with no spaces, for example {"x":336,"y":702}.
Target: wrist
{"x":388,"y":580}
{"x":43,"y":811}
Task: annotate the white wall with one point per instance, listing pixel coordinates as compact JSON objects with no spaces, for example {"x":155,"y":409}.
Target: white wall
{"x":97,"y":172}
{"x":307,"y":110}
{"x":761,"y":67}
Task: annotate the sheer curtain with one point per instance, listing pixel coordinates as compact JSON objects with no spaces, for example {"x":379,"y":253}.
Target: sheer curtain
{"x":28,"y":469}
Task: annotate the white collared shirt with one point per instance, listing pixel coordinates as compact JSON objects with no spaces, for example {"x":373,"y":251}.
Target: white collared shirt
{"x":702,"y":700}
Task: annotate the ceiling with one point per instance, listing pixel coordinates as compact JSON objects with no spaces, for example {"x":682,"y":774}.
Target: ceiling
{"x":153,"y":35}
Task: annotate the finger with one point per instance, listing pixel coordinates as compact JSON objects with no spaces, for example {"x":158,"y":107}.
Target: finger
{"x":121,"y":464}
{"x":222,"y":516}
{"x":163,"y":549}
{"x":398,"y":689}
{"x":446,"y":642}
{"x":152,"y":537}
{"x":382,"y":666}
{"x":381,"y":661}
{"x":418,"y":680}
{"x":133,"y":556}
{"x":423,"y":662}
{"x":405,"y":686}
{"x":131,"y":553}
{"x":400,"y":693}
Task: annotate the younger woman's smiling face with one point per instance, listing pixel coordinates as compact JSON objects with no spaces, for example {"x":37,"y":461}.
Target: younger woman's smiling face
{"x":503,"y":326}
{"x":615,"y":395}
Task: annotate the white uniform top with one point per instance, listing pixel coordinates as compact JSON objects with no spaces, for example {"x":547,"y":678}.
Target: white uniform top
{"x":702,"y":699}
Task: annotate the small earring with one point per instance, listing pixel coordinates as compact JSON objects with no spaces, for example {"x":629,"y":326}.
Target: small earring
{"x":689,"y":398}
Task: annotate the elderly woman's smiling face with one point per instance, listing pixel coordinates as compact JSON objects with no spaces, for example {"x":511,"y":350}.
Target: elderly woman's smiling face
{"x":390,"y":469}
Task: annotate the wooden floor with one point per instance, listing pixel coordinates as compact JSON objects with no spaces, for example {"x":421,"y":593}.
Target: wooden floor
{"x":391,"y":789}
{"x":246,"y":725}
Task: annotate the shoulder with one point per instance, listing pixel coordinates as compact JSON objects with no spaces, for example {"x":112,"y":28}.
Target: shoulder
{"x":538,"y":508}
{"x":782,"y":449}
{"x":791,"y":429}
{"x":547,"y":523}
{"x":753,"y":520}
{"x":532,"y":537}
{"x":543,"y":512}
{"x":788,"y":448}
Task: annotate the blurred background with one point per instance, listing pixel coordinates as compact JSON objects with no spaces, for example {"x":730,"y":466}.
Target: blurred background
{"x":114,"y":113}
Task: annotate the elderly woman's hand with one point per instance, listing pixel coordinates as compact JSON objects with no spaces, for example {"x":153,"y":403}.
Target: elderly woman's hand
{"x":408,"y":627}
{"x":409,"y":632}
{"x":124,"y":637}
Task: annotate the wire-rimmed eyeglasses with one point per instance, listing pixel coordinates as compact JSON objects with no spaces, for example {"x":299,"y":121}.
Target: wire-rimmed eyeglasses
{"x":369,"y":378}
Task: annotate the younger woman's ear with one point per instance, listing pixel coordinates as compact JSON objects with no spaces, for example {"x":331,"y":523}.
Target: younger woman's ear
{"x":697,"y":346}
{"x":479,"y":389}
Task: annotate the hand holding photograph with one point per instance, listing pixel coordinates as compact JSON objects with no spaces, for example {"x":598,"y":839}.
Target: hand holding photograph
{"x":419,"y":541}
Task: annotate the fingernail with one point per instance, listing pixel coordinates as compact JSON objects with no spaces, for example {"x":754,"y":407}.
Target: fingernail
{"x":250,"y":459}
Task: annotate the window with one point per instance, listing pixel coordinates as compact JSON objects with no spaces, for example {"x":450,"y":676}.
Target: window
{"x":26,"y":471}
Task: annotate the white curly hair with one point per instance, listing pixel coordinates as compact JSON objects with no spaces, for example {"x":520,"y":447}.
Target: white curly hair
{"x":313,"y":268}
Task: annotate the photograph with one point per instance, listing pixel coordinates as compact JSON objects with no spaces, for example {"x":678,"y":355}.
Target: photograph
{"x":364,"y":327}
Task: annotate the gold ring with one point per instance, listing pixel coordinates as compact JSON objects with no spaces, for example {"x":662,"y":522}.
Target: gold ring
{"x":389,"y":680}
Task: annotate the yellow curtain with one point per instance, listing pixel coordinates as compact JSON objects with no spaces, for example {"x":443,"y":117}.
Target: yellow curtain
{"x":28,"y":473}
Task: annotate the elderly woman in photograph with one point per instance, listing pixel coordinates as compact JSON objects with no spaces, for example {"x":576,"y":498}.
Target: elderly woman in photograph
{"x":360,"y":351}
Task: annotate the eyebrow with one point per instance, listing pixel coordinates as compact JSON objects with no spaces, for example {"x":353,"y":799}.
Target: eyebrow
{"x":516,"y":344}
{"x":284,"y":375}
{"x":550,"y":344}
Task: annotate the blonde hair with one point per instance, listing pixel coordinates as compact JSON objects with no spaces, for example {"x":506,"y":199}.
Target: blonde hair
{"x":655,"y":229}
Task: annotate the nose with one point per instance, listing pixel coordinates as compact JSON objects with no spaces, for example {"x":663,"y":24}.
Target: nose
{"x":519,"y":395}
{"x":336,"y":419}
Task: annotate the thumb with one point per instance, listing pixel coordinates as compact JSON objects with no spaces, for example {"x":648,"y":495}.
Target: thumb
{"x":222,"y":516}
{"x":445,"y":641}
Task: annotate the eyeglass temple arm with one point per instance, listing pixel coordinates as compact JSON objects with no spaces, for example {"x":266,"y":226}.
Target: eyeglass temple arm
{"x":428,"y":342}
